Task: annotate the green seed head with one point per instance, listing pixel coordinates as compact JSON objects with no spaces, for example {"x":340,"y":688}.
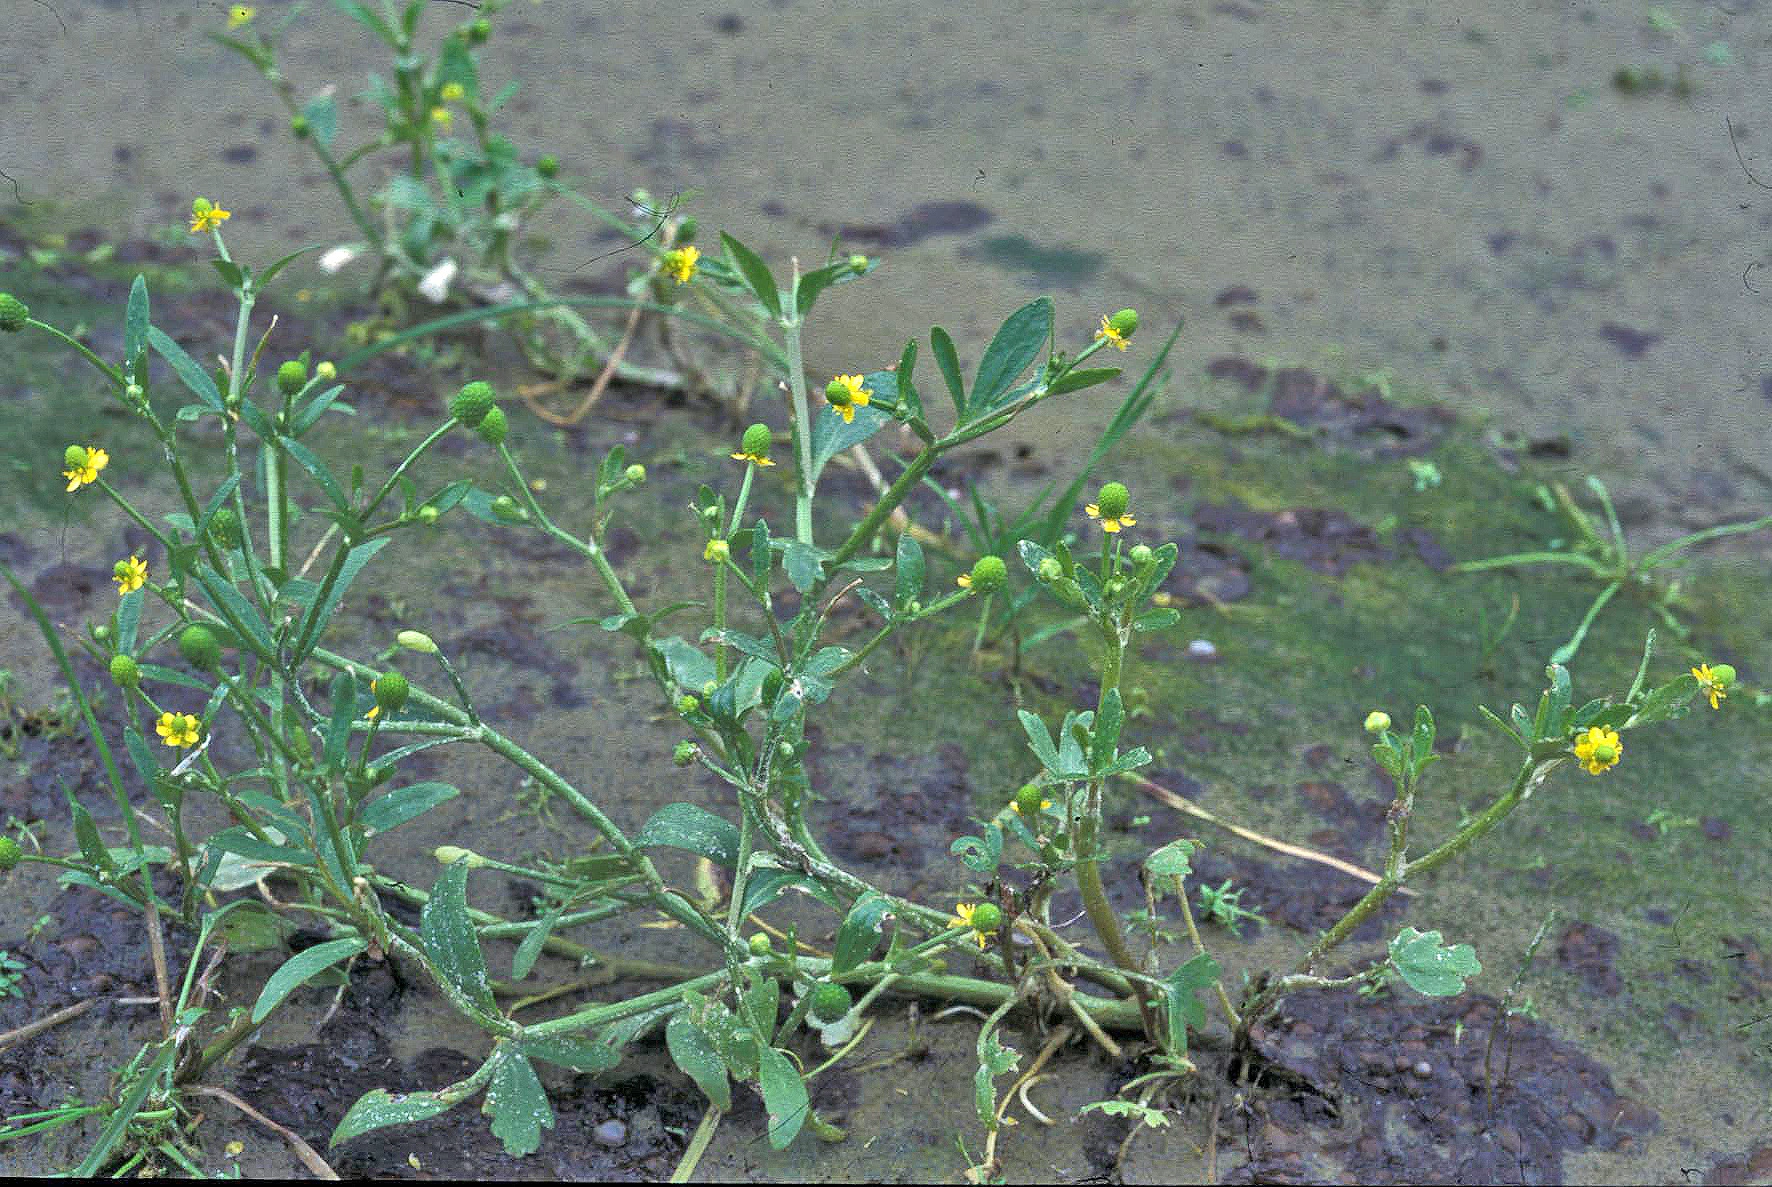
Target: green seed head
{"x":687,"y":704}
{"x":1113,"y":500}
{"x":478,"y":31}
{"x":756,"y":441}
{"x":13,"y":313}
{"x":1140,"y":555}
{"x":830,"y":1002}
{"x":472,"y":403}
{"x":838,"y":394}
{"x":124,"y":672}
{"x":989,"y":574}
{"x":102,"y":632}
{"x":74,"y":457}
{"x":298,"y":124}
{"x":635,"y":474}
{"x":10,"y":854}
{"x":1723,"y":674}
{"x":201,"y":649}
{"x":1377,"y":721}
{"x":416,"y":641}
{"x":760,"y":945}
{"x":548,"y":166}
{"x":1028,"y":801}
{"x":1125,"y":322}
{"x":492,"y":426}
{"x":684,"y":754}
{"x":858,"y":263}
{"x":292,"y":377}
{"x":224,"y":527}
{"x":986,"y":918}
{"x":390,"y":690}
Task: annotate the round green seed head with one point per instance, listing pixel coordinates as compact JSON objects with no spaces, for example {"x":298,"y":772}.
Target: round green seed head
{"x":224,"y":527}
{"x":989,"y":574}
{"x":102,"y":632}
{"x":838,"y":394}
{"x":298,"y":124}
{"x":1113,"y":500}
{"x":13,"y":313}
{"x":830,"y":1002}
{"x":1125,"y":322}
{"x":757,"y":440}
{"x":492,"y":426}
{"x":1050,"y":569}
{"x":687,"y":704}
{"x":760,"y":945}
{"x":390,"y":690}
{"x":1723,"y":674}
{"x":1377,"y":721}
{"x":74,"y":457}
{"x":548,"y":166}
{"x":986,"y":918}
{"x":858,"y":263}
{"x":1140,"y":555}
{"x":478,"y":31}
{"x":10,"y":854}
{"x":201,"y":649}
{"x":292,"y":377}
{"x":1028,"y":801}
{"x":684,"y":754}
{"x":124,"y":672}
{"x":472,"y":403}
{"x":635,"y":474}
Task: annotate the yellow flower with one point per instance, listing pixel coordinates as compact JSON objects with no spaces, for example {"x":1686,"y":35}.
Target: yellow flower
{"x":240,"y":15}
{"x":207,"y":216}
{"x":1111,"y":333}
{"x":452,"y":92}
{"x":982,"y":918}
{"x":178,"y":729}
{"x":963,"y":913}
{"x":130,"y":575}
{"x":679,"y":263}
{"x":83,"y":465}
{"x":442,"y":117}
{"x":756,"y":459}
{"x":1111,"y":507}
{"x":1712,"y":683}
{"x":964,"y":581}
{"x":846,"y":394}
{"x":1598,"y":748}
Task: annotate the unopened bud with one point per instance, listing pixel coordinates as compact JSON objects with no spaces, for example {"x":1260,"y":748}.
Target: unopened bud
{"x":450,"y":854}
{"x":201,"y":649}
{"x":492,"y":426}
{"x":292,"y":377}
{"x":1377,"y":721}
{"x":684,"y":754}
{"x":635,"y":474}
{"x":416,"y":641}
{"x":124,"y":671}
{"x":472,"y":403}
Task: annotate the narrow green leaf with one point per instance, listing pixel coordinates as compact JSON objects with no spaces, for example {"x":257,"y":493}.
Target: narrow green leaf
{"x":304,"y":457}
{"x":1039,"y":740}
{"x":338,"y":727}
{"x":92,"y":848}
{"x":1078,"y":378}
{"x":687,"y":826}
{"x":403,"y":804}
{"x":1014,"y":347}
{"x":314,"y":408}
{"x":1105,"y":741}
{"x":300,"y":968}
{"x":529,"y":951}
{"x":269,"y":274}
{"x":377,"y":1108}
{"x":907,"y":391}
{"x":237,"y":612}
{"x":573,"y":1052}
{"x":129,"y":617}
{"x":186,"y":368}
{"x":755,"y":272}
{"x":449,"y":939}
{"x":948,"y":361}
{"x":135,"y":320}
{"x":859,"y":933}
{"x":518,"y":1105}
{"x":699,"y":1058}
{"x":1672,"y":700}
{"x":127,"y":1107}
{"x":319,"y":616}
{"x":908,"y":582}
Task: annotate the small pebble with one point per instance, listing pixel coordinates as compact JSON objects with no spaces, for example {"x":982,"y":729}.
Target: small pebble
{"x":1201,"y":649}
{"x":611,"y":1133}
{"x":1423,"y":1070}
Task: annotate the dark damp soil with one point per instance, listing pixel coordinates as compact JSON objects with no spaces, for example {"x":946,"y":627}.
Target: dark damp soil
{"x":1396,"y":1089}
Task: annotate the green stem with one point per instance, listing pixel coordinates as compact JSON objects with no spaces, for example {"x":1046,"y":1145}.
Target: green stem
{"x":802,"y":431}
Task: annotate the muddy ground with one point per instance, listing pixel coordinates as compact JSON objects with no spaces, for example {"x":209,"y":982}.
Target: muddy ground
{"x":1314,"y":585}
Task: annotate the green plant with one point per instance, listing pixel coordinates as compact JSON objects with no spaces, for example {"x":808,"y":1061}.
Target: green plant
{"x":12,"y":971}
{"x":1607,"y":557}
{"x":1224,"y":906}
